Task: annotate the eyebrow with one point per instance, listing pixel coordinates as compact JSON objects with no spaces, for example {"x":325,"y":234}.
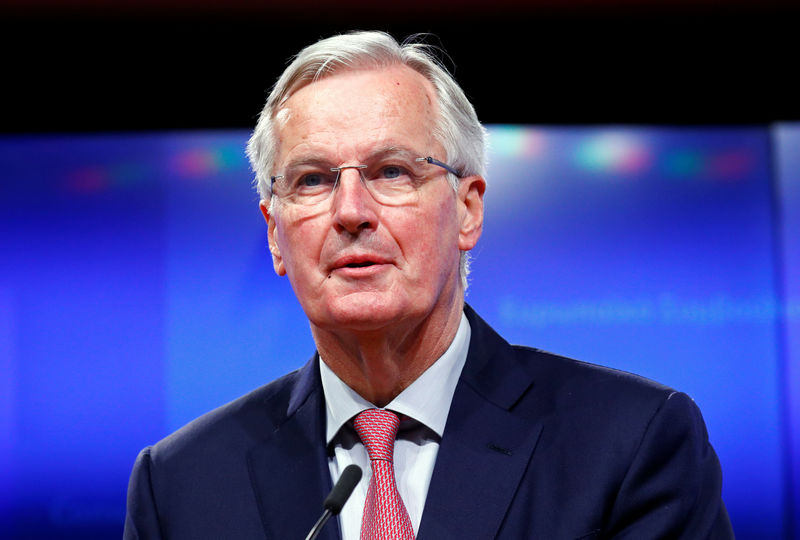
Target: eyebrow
{"x":379,"y":153}
{"x":393,"y":151}
{"x":307,"y":161}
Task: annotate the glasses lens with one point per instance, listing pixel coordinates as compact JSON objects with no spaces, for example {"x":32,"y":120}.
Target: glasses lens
{"x":392,"y":180}
{"x":306,"y":186}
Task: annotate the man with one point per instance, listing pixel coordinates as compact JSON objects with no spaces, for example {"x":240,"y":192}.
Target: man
{"x":370,"y":165}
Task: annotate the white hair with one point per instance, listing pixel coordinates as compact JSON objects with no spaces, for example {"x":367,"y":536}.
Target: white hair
{"x":457,"y":127}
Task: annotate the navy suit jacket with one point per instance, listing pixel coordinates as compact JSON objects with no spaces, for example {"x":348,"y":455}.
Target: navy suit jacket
{"x":535,"y":446}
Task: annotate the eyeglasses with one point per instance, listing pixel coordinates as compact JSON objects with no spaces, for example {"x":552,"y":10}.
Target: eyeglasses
{"x":392,"y":180}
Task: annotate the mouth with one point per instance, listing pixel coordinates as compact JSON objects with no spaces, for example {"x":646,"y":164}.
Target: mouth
{"x":356,"y":262}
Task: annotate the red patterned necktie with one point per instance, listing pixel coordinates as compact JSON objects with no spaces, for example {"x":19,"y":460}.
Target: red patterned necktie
{"x":385,"y":515}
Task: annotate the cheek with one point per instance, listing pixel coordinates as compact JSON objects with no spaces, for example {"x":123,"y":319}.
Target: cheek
{"x":432,"y":236}
{"x":445,"y":222}
{"x":299,"y":245}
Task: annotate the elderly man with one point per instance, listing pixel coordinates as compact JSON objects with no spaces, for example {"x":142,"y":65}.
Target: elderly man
{"x":370,"y":165}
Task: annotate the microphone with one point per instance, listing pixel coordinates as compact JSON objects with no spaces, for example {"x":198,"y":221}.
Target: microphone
{"x":335,"y":500}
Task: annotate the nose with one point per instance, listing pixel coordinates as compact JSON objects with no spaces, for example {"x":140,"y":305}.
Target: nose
{"x":353,"y":207}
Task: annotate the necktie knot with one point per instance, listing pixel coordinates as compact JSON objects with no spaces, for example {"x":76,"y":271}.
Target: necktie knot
{"x":377,"y":429}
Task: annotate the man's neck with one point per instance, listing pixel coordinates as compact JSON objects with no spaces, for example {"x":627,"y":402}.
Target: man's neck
{"x":379,"y":364}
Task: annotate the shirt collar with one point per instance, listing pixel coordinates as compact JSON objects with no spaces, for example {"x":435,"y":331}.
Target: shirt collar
{"x":426,"y":400}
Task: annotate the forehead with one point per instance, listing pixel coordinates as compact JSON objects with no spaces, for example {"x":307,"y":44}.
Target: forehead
{"x":347,"y":115}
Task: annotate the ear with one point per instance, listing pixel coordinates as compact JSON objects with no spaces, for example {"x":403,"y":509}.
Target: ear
{"x":470,"y":208}
{"x":277,"y":260}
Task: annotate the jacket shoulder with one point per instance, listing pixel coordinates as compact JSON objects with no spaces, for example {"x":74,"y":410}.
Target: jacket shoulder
{"x":536,"y":382}
{"x":198,"y":481}
{"x":596,"y":403}
{"x":569,"y":374}
{"x":239,"y":423}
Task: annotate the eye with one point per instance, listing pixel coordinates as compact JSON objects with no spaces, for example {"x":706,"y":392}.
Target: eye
{"x":311,"y":180}
{"x":393,"y":171}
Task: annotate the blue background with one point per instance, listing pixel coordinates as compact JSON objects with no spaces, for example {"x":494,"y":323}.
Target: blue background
{"x":136,"y":293}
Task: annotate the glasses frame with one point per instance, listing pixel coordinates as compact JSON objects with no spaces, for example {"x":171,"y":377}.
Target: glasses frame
{"x":338,"y":170}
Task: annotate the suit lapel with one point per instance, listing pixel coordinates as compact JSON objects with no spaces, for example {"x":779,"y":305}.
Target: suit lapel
{"x":289,"y":470}
{"x":485,"y":448}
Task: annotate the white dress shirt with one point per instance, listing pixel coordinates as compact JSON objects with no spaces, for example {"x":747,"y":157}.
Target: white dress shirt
{"x":426,"y":403}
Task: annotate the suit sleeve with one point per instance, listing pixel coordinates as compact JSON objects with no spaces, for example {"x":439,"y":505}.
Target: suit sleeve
{"x":672,"y":488}
{"x":141,"y":518}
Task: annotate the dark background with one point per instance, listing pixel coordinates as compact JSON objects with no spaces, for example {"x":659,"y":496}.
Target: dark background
{"x":85,"y":66}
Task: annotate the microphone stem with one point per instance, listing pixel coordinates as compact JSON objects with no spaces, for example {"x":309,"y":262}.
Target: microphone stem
{"x":326,"y":515}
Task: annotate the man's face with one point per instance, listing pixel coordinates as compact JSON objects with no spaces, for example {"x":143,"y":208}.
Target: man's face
{"x":353,"y":262}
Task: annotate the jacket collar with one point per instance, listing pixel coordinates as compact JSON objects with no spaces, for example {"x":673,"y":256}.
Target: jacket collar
{"x":289,"y":470}
{"x":486,"y":447}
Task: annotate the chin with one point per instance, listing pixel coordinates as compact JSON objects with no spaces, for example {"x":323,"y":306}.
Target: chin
{"x":365,"y":311}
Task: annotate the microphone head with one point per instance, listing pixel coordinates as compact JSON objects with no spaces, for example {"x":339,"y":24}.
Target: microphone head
{"x":347,"y":482}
